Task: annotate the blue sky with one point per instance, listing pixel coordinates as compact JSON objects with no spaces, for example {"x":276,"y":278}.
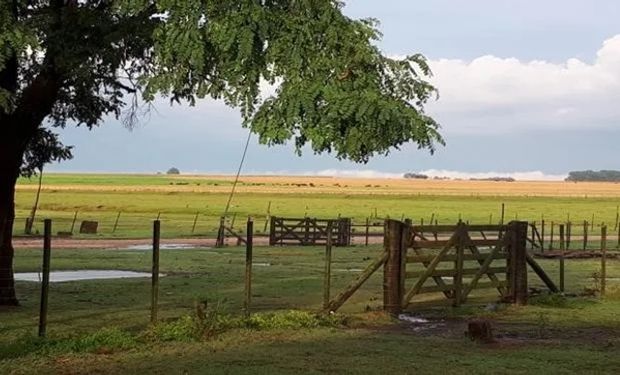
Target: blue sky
{"x":525,"y":86}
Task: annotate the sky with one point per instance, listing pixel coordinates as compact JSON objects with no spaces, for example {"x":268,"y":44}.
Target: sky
{"x":527,"y":88}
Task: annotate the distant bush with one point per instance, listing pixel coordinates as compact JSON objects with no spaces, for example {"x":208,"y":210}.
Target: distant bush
{"x":415,"y":176}
{"x":173,"y":170}
{"x":496,"y":179}
{"x":598,"y":176}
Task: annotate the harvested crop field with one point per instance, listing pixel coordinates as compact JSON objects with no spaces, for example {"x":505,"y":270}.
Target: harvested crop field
{"x":331,"y":185}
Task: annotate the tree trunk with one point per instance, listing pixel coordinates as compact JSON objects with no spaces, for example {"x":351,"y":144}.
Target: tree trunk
{"x":17,"y":128}
{"x":9,"y":171}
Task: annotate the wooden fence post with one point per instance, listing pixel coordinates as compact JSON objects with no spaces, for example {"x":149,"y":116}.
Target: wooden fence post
{"x":562,"y":249}
{"x":458,"y":265}
{"x":392,"y":295}
{"x":328,"y":266}
{"x":219,"y":242}
{"x":517,"y":264}
{"x":542,"y":236}
{"x":551,"y":236}
{"x":116,"y":222}
{"x":195,"y":221}
{"x":75,"y":215}
{"x":585,"y":235}
{"x":306,"y":231}
{"x":272,"y":230}
{"x":367,"y":231}
{"x":248,"y":266}
{"x":155,"y":272}
{"x":603,"y":259}
{"x":569,"y":232}
{"x":45,"y":281}
{"x":404,"y":245}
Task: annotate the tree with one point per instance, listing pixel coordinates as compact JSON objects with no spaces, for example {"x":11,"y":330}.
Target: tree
{"x":43,"y":149}
{"x":77,"y":61}
{"x":173,"y":170}
{"x":598,"y":176}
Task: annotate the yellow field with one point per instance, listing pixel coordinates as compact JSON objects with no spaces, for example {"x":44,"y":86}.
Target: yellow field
{"x":339,"y":185}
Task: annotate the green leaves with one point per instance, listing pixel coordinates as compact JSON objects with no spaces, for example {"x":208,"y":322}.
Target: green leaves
{"x":335,"y":90}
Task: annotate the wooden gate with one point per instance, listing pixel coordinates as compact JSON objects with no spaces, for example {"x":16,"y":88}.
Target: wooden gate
{"x":450,"y":259}
{"x":455,"y":260}
{"x":308,"y":231}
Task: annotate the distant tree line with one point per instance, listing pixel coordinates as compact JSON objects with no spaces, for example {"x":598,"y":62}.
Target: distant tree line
{"x":603,"y":176}
{"x":416,"y":176}
{"x":496,"y":179}
{"x":419,"y":176}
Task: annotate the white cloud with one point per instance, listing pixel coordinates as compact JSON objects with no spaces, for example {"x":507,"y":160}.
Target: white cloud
{"x":363,"y":173}
{"x":485,"y":95}
{"x":492,"y":94}
{"x":349,"y":173}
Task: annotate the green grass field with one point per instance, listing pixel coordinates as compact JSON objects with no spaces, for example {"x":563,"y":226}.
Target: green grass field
{"x":565,"y":336}
{"x":178,"y":199}
{"x":102,"y":326}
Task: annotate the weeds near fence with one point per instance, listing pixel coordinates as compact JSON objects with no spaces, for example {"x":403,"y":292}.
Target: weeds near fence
{"x":597,"y":282}
{"x":542,"y":325}
{"x":553,"y":300}
{"x":207,"y":323}
{"x":106,"y":340}
{"x":204,"y":324}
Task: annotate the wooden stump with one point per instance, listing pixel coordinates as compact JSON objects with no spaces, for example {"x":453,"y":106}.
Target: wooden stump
{"x":480,"y":331}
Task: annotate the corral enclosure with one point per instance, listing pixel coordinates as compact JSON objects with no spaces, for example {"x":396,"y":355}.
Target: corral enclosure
{"x":126,"y":205}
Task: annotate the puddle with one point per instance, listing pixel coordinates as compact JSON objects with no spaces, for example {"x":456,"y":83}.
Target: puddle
{"x":420,"y":324}
{"x":412,"y":319}
{"x":167,"y":246}
{"x":63,"y":276}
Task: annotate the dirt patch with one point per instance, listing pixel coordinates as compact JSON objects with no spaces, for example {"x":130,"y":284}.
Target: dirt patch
{"x":510,"y":333}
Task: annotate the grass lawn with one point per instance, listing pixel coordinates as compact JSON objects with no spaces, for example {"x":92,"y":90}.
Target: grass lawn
{"x":180,"y":200}
{"x":102,"y":326}
{"x":552,"y":335}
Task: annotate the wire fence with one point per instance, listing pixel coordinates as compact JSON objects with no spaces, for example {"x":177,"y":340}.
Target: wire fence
{"x":544,"y":234}
{"x":283,"y":279}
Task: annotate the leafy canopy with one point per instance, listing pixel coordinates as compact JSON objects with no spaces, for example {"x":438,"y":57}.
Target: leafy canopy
{"x":334,"y":90}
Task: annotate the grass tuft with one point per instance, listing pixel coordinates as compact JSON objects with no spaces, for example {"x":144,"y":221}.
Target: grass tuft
{"x":105,"y":341}
{"x":550,"y":300}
